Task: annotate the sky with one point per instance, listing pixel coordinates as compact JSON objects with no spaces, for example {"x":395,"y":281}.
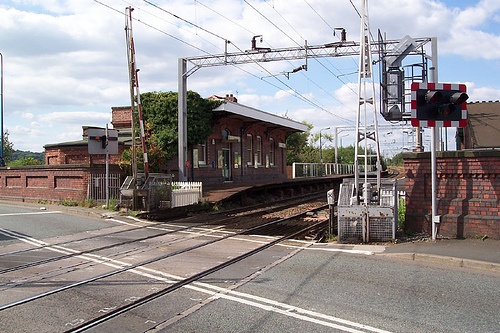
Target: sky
{"x":65,"y":61}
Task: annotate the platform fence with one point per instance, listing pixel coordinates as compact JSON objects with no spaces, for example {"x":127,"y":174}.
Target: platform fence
{"x":307,"y":170}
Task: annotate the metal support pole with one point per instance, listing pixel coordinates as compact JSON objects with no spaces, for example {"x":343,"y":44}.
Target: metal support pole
{"x":2,"y":157}
{"x":107,"y":168}
{"x":320,"y":149}
{"x":182,"y":118}
{"x":434,"y":138}
{"x":336,"y":145}
{"x":434,"y":135}
{"x":321,"y":145}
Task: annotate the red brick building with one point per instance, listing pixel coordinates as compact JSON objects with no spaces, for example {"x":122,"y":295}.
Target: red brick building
{"x":246,"y":144}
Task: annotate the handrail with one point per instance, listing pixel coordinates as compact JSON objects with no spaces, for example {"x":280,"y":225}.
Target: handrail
{"x":307,"y":170}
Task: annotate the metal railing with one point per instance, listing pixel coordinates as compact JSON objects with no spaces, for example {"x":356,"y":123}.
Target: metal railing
{"x":305,"y":170}
{"x":96,"y":190}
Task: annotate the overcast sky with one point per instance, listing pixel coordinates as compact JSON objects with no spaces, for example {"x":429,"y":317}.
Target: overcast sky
{"x":65,"y":62}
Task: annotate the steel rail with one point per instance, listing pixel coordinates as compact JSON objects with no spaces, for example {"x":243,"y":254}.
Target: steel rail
{"x":83,"y":252}
{"x":145,"y":262}
{"x":177,"y":285}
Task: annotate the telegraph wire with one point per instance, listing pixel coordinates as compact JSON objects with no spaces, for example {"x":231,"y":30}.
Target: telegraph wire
{"x":317,"y":60}
{"x":177,"y":26}
{"x":329,"y":62}
{"x":291,"y":91}
{"x":267,"y":19}
{"x":225,"y":17}
{"x":152,"y":27}
{"x":356,"y":9}
{"x":295,"y":92}
{"x":321,"y":17}
{"x":184,"y":20}
{"x":284,"y":19}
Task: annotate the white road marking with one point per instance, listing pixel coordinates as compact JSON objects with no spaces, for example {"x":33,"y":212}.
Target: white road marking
{"x":218,"y":292}
{"x":32,"y":213}
{"x":210,"y":233}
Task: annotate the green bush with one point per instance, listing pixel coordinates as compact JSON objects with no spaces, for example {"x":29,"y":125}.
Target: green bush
{"x":69,"y":203}
{"x":401,"y":213}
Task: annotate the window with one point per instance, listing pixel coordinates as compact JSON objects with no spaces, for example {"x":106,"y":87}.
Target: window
{"x":271,"y":152}
{"x":249,"y":150}
{"x":258,"y":153}
{"x":202,"y":154}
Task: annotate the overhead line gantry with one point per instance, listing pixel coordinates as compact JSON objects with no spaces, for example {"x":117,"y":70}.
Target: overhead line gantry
{"x":259,"y":55}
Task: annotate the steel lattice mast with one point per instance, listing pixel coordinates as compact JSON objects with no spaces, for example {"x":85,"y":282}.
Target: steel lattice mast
{"x":364,"y":129}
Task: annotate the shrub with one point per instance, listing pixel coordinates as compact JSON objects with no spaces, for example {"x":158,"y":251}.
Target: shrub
{"x":401,"y":213}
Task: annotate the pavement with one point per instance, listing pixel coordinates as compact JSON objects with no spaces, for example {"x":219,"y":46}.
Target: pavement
{"x":467,"y":253}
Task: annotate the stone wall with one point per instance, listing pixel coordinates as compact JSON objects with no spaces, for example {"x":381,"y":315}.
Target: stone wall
{"x":468,"y":186}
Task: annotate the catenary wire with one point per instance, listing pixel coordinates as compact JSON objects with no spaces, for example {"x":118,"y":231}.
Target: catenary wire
{"x":317,"y":60}
{"x":295,"y":92}
{"x":292,"y":91}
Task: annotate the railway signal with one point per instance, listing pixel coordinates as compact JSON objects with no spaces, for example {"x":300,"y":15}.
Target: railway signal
{"x":438,"y":104}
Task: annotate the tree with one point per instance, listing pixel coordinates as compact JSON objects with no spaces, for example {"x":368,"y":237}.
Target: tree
{"x":297,"y":146}
{"x":396,"y":160}
{"x":160,"y":116}
{"x":25,"y":161}
{"x":8,"y":148}
{"x":345,"y":155}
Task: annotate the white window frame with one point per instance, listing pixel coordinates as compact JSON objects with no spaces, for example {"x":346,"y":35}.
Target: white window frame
{"x":250,"y":149}
{"x":258,"y":148}
{"x":272,"y":151}
{"x":202,"y":154}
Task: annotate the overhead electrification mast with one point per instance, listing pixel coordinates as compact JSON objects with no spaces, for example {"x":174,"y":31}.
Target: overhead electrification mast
{"x":366,"y":126}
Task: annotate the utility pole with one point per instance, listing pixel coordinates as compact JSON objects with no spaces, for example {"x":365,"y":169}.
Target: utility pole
{"x":135,"y":94}
{"x":320,"y":144}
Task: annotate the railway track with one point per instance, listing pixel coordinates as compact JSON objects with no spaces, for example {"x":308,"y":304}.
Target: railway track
{"x":235,"y":218}
{"x":160,"y":246}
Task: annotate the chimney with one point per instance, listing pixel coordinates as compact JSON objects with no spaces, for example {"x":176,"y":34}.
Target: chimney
{"x":231,"y":98}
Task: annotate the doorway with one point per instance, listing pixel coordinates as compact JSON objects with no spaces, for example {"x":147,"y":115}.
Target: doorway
{"x":226,"y":167}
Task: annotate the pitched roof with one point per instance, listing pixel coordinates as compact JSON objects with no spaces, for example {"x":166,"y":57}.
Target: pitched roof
{"x":232,"y":109}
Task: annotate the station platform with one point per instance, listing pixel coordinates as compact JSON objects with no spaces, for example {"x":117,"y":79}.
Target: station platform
{"x":220,"y":192}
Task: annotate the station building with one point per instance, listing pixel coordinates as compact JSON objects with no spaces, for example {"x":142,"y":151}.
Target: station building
{"x":246,"y":144}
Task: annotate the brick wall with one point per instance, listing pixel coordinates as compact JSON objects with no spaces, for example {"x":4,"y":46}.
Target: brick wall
{"x":78,"y":154}
{"x":468,"y":186}
{"x":121,"y":117}
{"x":47,"y":182}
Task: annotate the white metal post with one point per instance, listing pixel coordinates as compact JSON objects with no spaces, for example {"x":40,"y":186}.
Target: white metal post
{"x":2,"y":157}
{"x":107,"y":168}
{"x":434,"y":136}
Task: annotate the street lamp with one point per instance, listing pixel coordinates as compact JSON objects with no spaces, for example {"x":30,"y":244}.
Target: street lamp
{"x":320,"y":145}
{"x":336,"y":145}
{"x":343,"y":136}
